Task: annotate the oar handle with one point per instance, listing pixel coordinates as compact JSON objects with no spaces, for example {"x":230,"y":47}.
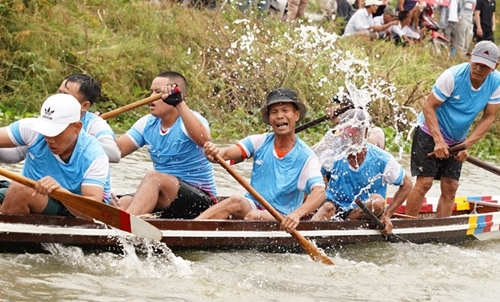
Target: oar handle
{"x":451,"y":150}
{"x":312,"y":250}
{"x":336,"y":112}
{"x":370,"y":214}
{"x":380,"y":224}
{"x":131,"y":106}
{"x":484,"y":165}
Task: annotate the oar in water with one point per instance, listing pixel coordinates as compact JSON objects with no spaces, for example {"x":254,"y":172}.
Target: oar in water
{"x":97,"y":210}
{"x":336,"y":112}
{"x":131,"y":106}
{"x":308,"y":246}
{"x":380,"y":224}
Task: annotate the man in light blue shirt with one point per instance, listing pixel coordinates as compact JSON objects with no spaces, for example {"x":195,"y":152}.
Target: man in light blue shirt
{"x":59,"y":155}
{"x":284,"y":167}
{"x":458,"y":96}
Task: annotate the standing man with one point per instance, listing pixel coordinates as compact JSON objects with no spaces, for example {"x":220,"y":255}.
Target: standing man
{"x":182,"y":183}
{"x":284,"y":167}
{"x":465,"y":24}
{"x":484,"y":20}
{"x":458,"y":96}
{"x":60,"y":155}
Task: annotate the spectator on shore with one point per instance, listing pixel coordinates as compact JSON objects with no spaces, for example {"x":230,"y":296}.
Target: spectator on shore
{"x":388,"y":16}
{"x":361,"y":23}
{"x":401,"y":32}
{"x":465,"y":25}
{"x":484,"y":20}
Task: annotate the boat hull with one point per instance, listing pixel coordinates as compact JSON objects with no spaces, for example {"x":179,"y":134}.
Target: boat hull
{"x":21,"y":234}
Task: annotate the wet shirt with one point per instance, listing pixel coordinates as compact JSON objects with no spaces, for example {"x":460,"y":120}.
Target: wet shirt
{"x":346,"y":183}
{"x":281,"y":181}
{"x":461,"y":102}
{"x":174,"y":152}
{"x":87,"y":166}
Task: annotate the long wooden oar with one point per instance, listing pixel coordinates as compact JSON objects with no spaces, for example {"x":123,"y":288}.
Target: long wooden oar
{"x":336,"y":112}
{"x":477,"y":162}
{"x":97,"y":210}
{"x":308,"y":246}
{"x":131,"y":106}
{"x":380,"y":224}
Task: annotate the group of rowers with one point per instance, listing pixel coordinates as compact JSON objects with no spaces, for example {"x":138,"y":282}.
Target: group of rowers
{"x":69,"y":148}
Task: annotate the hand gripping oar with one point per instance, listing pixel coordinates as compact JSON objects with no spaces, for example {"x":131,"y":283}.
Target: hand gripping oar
{"x":308,"y":246}
{"x":380,"y":225}
{"x":97,"y":210}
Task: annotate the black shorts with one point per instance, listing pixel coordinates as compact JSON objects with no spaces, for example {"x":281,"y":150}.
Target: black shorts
{"x":189,"y":203}
{"x":421,"y":165}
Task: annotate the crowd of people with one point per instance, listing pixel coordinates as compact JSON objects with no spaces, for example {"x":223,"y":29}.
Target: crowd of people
{"x":69,"y":148}
{"x":459,"y":21}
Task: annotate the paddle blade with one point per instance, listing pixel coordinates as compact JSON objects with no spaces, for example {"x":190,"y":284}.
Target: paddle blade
{"x":108,"y":214}
{"x":316,"y":254}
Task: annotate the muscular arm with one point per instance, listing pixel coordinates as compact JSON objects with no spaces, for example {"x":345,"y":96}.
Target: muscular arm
{"x":483,"y":125}
{"x":398,"y":199}
{"x":429,"y":110}
{"x":195,"y":128}
{"x":126,"y":145}
{"x":312,"y":202}
{"x":5,"y":141}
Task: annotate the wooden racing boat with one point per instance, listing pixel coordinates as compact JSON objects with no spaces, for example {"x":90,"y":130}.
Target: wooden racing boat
{"x":475,"y":218}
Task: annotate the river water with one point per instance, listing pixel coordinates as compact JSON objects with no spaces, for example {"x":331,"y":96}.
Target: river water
{"x":369,"y":272}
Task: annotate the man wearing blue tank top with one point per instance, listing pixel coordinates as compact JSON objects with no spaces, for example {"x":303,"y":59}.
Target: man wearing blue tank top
{"x":59,"y":155}
{"x":458,"y":96}
{"x":86,"y":90}
{"x":182,"y":183}
{"x":284,"y":167}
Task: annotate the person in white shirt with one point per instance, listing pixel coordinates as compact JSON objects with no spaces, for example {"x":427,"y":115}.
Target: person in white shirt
{"x":361,"y":23}
{"x":450,"y":32}
{"x":401,"y":32}
{"x":465,"y":25}
{"x":388,"y":16}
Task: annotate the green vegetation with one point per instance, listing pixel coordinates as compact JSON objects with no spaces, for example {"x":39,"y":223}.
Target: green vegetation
{"x":230,"y":60}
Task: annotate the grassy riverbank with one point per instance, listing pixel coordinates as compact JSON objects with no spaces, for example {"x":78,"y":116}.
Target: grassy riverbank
{"x":231,"y":61}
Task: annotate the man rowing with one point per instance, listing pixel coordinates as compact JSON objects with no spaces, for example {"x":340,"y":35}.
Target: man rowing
{"x":458,"y":96}
{"x":355,"y":169}
{"x":284,"y":167}
{"x":182,"y":183}
{"x":86,"y":91}
{"x":59,"y":155}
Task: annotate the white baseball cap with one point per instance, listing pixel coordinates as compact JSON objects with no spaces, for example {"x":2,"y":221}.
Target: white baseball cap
{"x":58,"y":111}
{"x":373,"y":2}
{"x":487,"y":53}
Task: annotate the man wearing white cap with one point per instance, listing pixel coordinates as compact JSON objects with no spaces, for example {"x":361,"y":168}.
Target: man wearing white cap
{"x":361,"y":23}
{"x":60,"y":155}
{"x":458,"y":96}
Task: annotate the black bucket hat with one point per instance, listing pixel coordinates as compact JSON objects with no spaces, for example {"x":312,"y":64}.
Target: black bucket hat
{"x":282,"y":95}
